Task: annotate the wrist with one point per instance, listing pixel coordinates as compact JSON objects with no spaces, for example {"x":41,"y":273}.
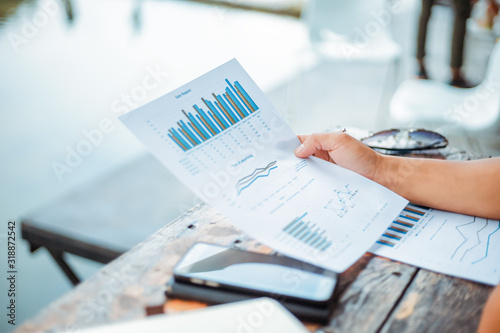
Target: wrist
{"x":389,"y":172}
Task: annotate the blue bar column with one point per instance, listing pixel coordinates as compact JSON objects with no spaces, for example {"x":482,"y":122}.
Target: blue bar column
{"x":240,"y":88}
{"x":217,"y":114}
{"x":230,"y":106}
{"x":178,"y":137}
{"x":237,"y":102}
{"x":233,"y":118}
{"x":194,"y":130}
{"x":204,"y":116}
{"x":177,"y":143}
{"x":198,"y":126}
{"x":238,"y":98}
{"x":188,"y":131}
{"x":214,"y":119}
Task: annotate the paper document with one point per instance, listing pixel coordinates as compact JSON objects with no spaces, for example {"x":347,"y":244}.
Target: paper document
{"x":454,"y":244}
{"x":260,"y":315}
{"x":221,"y":136}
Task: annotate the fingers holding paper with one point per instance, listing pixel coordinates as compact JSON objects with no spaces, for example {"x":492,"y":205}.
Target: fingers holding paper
{"x":342,"y":149}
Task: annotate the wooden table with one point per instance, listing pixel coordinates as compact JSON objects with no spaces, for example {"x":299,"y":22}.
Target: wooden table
{"x":374,"y":295}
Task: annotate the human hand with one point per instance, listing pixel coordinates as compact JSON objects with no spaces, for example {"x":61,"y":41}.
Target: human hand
{"x":342,"y":149}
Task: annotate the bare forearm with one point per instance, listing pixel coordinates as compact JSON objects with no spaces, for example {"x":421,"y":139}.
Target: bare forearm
{"x":467,"y":187}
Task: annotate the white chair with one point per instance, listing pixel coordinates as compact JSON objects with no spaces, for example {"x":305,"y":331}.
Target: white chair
{"x":351,"y":30}
{"x":434,"y":104}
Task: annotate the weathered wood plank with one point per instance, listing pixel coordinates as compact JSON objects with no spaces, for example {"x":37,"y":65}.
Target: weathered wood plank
{"x":369,"y":300}
{"x":349,"y":276}
{"x":439,"y":303}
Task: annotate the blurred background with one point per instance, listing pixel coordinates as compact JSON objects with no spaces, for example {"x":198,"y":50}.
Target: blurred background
{"x":70,"y":67}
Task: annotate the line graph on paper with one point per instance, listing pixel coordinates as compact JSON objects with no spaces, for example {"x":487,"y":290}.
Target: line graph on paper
{"x":449,"y":243}
{"x":475,"y":236}
{"x":247,"y":181}
{"x":342,"y":201}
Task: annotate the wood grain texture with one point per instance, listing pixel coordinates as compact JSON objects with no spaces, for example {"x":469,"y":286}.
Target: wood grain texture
{"x":369,"y":300}
{"x":349,"y":276}
{"x":439,"y":303}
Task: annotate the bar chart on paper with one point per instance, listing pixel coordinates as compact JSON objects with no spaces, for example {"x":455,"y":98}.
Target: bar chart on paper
{"x":307,"y":233}
{"x":202,"y":125}
{"x":215,"y":116}
{"x":400,"y":227}
{"x":448,"y":243}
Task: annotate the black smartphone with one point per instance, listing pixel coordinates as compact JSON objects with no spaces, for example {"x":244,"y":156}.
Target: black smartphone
{"x":242,"y":272}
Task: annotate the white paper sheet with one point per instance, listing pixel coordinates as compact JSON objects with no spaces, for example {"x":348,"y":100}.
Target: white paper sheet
{"x":454,"y":244}
{"x":260,"y":315}
{"x":221,"y":136}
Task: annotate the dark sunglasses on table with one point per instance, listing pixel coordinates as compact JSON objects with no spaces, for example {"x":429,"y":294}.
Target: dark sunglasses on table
{"x":404,"y":140}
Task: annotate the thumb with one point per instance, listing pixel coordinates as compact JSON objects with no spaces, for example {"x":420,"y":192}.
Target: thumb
{"x":320,"y":142}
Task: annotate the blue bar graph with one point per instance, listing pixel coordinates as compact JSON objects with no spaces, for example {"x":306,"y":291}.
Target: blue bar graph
{"x":240,"y":107}
{"x":227,"y":109}
{"x":406,"y":220}
{"x":208,"y":123}
{"x":223,"y":111}
{"x":307,"y":233}
{"x":217,"y":115}
{"x":247,"y":98}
